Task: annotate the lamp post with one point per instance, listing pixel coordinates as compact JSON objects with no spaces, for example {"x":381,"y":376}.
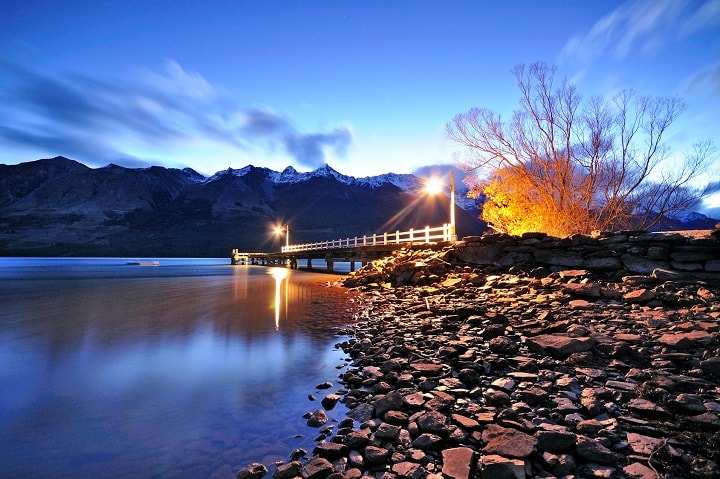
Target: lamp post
{"x":453,"y":235}
{"x":434,"y":186}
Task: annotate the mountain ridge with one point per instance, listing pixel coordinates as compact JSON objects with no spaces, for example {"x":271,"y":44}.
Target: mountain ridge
{"x":58,"y":206}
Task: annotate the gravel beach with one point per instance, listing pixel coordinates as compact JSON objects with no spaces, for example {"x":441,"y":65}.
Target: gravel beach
{"x":463,"y":371}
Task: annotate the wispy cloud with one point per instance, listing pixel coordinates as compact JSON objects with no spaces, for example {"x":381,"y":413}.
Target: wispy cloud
{"x":643,"y":25}
{"x":90,"y":118}
{"x":707,"y":80}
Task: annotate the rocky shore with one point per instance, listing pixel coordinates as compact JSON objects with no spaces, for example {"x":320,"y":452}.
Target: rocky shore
{"x":464,"y":371}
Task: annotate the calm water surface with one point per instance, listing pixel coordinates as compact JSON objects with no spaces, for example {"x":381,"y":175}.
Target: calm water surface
{"x":194,"y":368}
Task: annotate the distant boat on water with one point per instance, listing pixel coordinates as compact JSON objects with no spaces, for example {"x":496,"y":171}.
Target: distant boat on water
{"x":143,"y":263}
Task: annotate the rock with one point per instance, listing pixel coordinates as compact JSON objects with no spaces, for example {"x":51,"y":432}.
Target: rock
{"x":317,"y":418}
{"x":387,"y":432}
{"x":494,"y":466}
{"x":391,"y":401}
{"x":253,"y":471}
{"x":591,"y":450}
{"x":507,"y":442}
{"x":711,"y":366}
{"x":639,"y":265}
{"x":458,"y":462}
{"x":644,"y":445}
{"x":408,"y":470}
{"x":503,"y":345}
{"x":375,"y":456}
{"x":685,"y":340}
{"x":638,"y":470}
{"x":638,"y":296}
{"x":330,"y":450}
{"x":555,"y":441}
{"x":428,"y":369}
{"x":329,"y":401}
{"x":432,"y":421}
{"x":362,"y":412}
{"x":559,"y":346}
{"x":687,"y":404}
{"x":704,"y":469}
{"x":426,"y":441}
{"x":288,"y":470}
{"x":590,"y":401}
{"x":317,"y":468}
{"x":646,"y":408}
{"x":465,"y":422}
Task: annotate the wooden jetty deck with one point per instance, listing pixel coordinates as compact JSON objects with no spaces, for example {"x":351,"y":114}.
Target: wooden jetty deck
{"x":349,"y":250}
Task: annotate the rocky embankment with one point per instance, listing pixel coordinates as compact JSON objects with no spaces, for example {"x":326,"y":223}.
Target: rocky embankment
{"x":462,"y":371}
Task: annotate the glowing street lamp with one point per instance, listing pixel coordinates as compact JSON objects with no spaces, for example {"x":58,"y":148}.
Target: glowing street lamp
{"x":286,"y":229}
{"x":434,"y":186}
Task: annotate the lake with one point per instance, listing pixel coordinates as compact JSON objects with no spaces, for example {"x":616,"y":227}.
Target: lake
{"x":193,"y":368}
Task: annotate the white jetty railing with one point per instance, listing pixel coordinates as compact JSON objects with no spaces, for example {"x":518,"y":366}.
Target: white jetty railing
{"x":417,"y":236}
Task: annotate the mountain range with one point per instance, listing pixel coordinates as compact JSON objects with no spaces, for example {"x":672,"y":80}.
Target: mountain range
{"x":58,"y":206}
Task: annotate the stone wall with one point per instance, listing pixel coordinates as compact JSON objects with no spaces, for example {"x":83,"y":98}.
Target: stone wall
{"x":693,"y":254}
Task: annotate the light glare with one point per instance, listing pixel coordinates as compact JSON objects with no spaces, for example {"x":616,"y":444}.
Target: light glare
{"x":434,"y":186}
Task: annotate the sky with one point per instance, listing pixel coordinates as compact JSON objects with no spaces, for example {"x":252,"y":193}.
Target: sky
{"x":364,"y":86}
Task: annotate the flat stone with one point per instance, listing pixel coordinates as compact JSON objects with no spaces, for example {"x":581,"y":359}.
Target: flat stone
{"x":508,"y":442}
{"x":558,"y":345}
{"x":408,"y":470}
{"x":646,"y":408}
{"x":638,"y":470}
{"x":465,"y":422}
{"x":591,"y":290}
{"x":330,"y":450}
{"x":687,"y":403}
{"x":644,"y":445}
{"x":638,"y":265}
{"x":641,"y":295}
{"x":415,"y":399}
{"x":684,"y":340}
{"x":629,"y":338}
{"x":458,"y":462}
{"x":431,"y":369}
{"x":599,"y":471}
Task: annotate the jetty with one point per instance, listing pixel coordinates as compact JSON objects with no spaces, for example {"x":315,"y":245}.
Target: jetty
{"x":359,"y":249}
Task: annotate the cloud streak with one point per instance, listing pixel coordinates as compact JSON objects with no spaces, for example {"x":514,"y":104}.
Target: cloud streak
{"x":92,"y":118}
{"x":643,"y":25}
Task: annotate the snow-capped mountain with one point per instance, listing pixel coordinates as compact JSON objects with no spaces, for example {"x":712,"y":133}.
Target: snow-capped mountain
{"x":58,"y":206}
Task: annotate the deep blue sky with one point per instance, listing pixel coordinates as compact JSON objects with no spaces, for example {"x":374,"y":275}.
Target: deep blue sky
{"x":366,"y":86}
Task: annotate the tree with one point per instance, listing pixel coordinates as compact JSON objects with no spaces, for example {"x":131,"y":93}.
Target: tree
{"x":563,"y":165}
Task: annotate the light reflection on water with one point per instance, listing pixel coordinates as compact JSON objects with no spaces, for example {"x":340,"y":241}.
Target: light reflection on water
{"x":189,"y":369}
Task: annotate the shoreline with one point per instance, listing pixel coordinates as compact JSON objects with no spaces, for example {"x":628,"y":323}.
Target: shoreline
{"x":546,"y":373}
